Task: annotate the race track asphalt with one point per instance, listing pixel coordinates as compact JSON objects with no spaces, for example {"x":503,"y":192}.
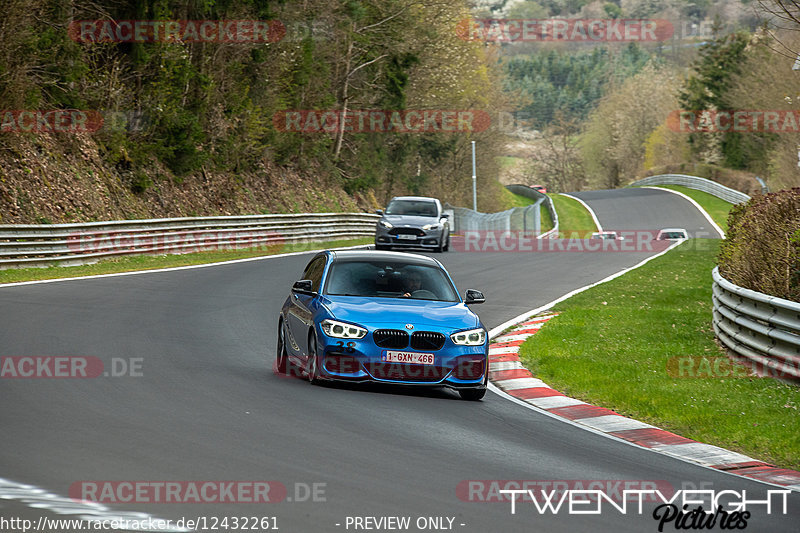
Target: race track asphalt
{"x":207,"y":405}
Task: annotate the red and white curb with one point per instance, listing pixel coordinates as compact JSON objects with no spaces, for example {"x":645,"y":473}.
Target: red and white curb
{"x":507,"y":373}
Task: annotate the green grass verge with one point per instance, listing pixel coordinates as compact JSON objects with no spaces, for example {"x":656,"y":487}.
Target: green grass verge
{"x":573,"y":219}
{"x":717,"y":208}
{"x":611,"y":346}
{"x":510,"y":200}
{"x":151,"y":262}
{"x":506,"y":161}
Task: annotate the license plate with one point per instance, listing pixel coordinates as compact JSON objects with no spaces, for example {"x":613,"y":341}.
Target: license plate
{"x":404,"y":237}
{"x":410,"y":358}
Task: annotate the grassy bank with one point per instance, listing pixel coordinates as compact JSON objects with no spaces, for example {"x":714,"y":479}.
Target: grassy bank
{"x":716,"y":207}
{"x":618,"y":344}
{"x":573,"y":219}
{"x":152,"y":262}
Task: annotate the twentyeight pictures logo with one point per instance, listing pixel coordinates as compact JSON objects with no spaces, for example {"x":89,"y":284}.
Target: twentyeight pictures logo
{"x":188,"y":31}
{"x":564,"y":30}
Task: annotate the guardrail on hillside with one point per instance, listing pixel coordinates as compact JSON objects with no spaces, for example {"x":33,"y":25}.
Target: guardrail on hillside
{"x":526,"y":218}
{"x":763,"y":329}
{"x":40,"y":245}
{"x":693,"y":182}
{"x":533,"y":194}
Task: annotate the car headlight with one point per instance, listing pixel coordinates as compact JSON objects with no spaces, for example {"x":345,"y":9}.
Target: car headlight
{"x":385,"y":224}
{"x":472,"y":337}
{"x":341,"y":330}
{"x":428,"y":227}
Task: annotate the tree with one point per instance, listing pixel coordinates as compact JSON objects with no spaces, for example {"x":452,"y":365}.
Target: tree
{"x":707,"y":89}
{"x":557,"y":162}
{"x":616,"y":133}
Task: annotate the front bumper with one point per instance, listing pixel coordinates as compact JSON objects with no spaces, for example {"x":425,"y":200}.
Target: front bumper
{"x":454,"y":366}
{"x":396,"y":237}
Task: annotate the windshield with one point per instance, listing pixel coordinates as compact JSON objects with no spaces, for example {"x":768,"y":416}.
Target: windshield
{"x":419,"y":208}
{"x":388,"y":279}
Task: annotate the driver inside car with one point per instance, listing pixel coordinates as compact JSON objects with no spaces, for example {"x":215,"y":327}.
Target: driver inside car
{"x":411,"y":282}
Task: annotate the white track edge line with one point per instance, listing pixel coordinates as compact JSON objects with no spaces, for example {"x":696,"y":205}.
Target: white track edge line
{"x":173,"y":269}
{"x":591,"y":211}
{"x":524,"y":316}
{"x":590,"y":429}
{"x":698,"y":206}
{"x":528,"y":314}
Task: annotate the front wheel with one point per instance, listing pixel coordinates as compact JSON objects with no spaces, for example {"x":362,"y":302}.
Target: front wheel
{"x":281,"y":357}
{"x":472,"y":395}
{"x":312,"y":366}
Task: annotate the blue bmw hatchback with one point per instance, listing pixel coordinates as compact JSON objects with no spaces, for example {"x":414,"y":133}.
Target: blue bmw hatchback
{"x":386,"y":317}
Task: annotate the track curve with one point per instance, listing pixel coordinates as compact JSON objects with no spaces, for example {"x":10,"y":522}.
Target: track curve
{"x":208,"y":407}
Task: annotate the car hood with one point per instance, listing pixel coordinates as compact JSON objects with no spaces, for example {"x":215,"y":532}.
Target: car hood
{"x":394,"y":312}
{"x":403,"y":220}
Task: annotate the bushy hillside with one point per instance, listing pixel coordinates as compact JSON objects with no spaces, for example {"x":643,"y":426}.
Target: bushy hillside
{"x":194,"y":125}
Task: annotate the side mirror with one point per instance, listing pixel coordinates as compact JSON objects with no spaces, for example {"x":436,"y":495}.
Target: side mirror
{"x":474,"y":297}
{"x":445,"y":215}
{"x":379,"y":212}
{"x":305,"y":286}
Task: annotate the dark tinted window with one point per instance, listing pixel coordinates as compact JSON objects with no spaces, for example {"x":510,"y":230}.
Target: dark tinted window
{"x":314,"y":272}
{"x":419,"y":208}
{"x":389,"y":280}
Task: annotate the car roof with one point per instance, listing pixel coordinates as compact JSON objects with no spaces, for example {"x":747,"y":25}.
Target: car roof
{"x":371,"y":255}
{"x":428,"y":198}
{"x":673,"y":229}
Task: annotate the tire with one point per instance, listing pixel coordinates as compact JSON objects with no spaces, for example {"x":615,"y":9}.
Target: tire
{"x":312,"y":367}
{"x":472,"y":395}
{"x":281,"y":358}
{"x":447,"y":244}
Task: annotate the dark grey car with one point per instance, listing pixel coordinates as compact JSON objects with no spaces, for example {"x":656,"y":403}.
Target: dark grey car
{"x":413,"y":222}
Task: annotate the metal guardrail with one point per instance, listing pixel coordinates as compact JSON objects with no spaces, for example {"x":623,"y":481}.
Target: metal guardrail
{"x":518,"y":218}
{"x":693,"y":182}
{"x":41,"y":245}
{"x":533,"y":194}
{"x":526,"y":218}
{"x":763,"y":329}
